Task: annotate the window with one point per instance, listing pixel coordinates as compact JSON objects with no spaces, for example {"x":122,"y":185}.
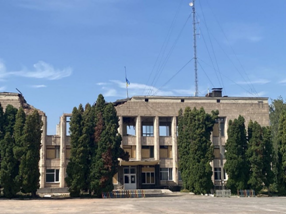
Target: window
{"x":52,"y":175}
{"x":57,"y":151}
{"x":147,"y":130}
{"x":147,"y":177}
{"x":166,"y":174}
{"x":165,"y":126}
{"x":147,"y":151}
{"x":217,"y":174}
{"x":216,"y":128}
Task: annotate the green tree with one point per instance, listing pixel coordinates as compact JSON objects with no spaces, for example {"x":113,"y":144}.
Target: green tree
{"x":268,"y":157}
{"x":9,"y":168}
{"x":29,"y":169}
{"x":76,"y":173}
{"x":88,"y":140}
{"x":281,"y":165}
{"x":97,"y":162}
{"x":9,"y":119}
{"x":2,"y":121}
{"x":19,"y":149}
{"x":276,"y":108}
{"x":236,"y":165}
{"x":255,"y":155}
{"x":195,"y":149}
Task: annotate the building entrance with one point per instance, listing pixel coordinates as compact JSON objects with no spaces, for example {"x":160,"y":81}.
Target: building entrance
{"x":130,"y":182}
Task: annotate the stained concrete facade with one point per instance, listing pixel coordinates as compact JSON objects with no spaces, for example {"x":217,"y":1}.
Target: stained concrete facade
{"x":148,"y":125}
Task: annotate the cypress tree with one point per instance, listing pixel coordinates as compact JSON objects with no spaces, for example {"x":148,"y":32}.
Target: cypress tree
{"x":195,"y":149}
{"x":76,"y":167}
{"x":2,"y":133}
{"x":97,"y":163}
{"x":9,"y":168}
{"x":236,"y":165}
{"x":19,"y":148}
{"x":88,"y":140}
{"x":255,"y":154}
{"x":29,"y":169}
{"x":2,"y":120}
{"x":9,"y":119}
{"x":268,"y":157}
{"x":281,"y":165}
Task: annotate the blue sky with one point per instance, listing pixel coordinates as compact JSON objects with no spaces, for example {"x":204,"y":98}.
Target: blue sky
{"x":63,"y":53}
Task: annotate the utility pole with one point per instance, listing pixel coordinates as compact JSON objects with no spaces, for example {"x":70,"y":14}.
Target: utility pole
{"x":192,"y":4}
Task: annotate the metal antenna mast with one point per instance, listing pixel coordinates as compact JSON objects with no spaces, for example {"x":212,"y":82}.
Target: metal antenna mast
{"x":192,"y":4}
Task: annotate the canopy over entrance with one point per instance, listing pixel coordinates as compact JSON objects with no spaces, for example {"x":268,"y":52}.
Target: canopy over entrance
{"x":136,"y":163}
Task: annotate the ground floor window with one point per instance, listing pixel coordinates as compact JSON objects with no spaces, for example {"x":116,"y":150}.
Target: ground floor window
{"x":217,"y":174}
{"x":147,"y":177}
{"x":52,"y":175}
{"x":166,"y":174}
{"x":179,"y":176}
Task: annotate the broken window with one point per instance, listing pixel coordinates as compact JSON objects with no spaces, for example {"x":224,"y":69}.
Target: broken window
{"x":165,"y":126}
{"x":219,"y":127}
{"x":129,"y":124}
{"x":147,"y":126}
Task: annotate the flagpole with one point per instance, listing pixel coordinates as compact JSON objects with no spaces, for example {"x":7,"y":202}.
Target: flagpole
{"x":126,"y":83}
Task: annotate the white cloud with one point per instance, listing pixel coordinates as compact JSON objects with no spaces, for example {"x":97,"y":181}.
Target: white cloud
{"x":243,"y":31}
{"x":118,"y":89}
{"x":2,"y":88}
{"x":282,"y":81}
{"x":42,"y":70}
{"x":259,"y":81}
{"x":38,"y":86}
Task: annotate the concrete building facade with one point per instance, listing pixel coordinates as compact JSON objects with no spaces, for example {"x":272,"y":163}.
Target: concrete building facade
{"x":148,"y":125}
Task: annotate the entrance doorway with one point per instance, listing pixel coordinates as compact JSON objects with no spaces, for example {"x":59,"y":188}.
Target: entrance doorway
{"x":130,"y":181}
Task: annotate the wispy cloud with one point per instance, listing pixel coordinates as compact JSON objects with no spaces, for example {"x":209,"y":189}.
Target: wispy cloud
{"x":42,"y":70}
{"x":116,"y":88}
{"x":259,"y":81}
{"x":282,"y":81}
{"x":243,"y":31}
{"x":38,"y":86}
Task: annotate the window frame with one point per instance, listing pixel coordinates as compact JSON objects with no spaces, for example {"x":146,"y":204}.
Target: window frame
{"x":169,"y":173}
{"x":55,"y":173}
{"x":146,"y":181}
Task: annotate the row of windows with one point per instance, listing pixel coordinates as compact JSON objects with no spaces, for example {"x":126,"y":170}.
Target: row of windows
{"x":165,"y":129}
{"x":52,"y":175}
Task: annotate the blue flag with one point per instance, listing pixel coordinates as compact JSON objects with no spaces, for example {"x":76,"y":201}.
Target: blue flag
{"x":127,"y":82}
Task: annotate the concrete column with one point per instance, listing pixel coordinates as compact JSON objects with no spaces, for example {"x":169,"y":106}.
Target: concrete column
{"x":212,"y":162}
{"x":62,"y":151}
{"x":174,"y":150}
{"x":156,"y":138}
{"x":138,"y":139}
{"x":120,"y":129}
{"x":42,"y":162}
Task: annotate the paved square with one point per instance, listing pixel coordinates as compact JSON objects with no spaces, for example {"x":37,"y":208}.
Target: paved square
{"x":175,"y":203}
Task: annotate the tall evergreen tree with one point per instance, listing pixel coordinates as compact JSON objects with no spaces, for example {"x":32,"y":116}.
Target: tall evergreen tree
{"x":281,"y":165}
{"x":29,"y":169}
{"x":2,"y":133}
{"x":97,"y":163}
{"x":195,"y":148}
{"x":9,"y":119}
{"x":236,"y":165}
{"x":19,"y":146}
{"x":2,"y":121}
{"x":276,"y":108}
{"x":78,"y":162}
{"x":88,"y":140}
{"x":255,"y":155}
{"x":9,"y":167}
{"x":268,"y":157}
